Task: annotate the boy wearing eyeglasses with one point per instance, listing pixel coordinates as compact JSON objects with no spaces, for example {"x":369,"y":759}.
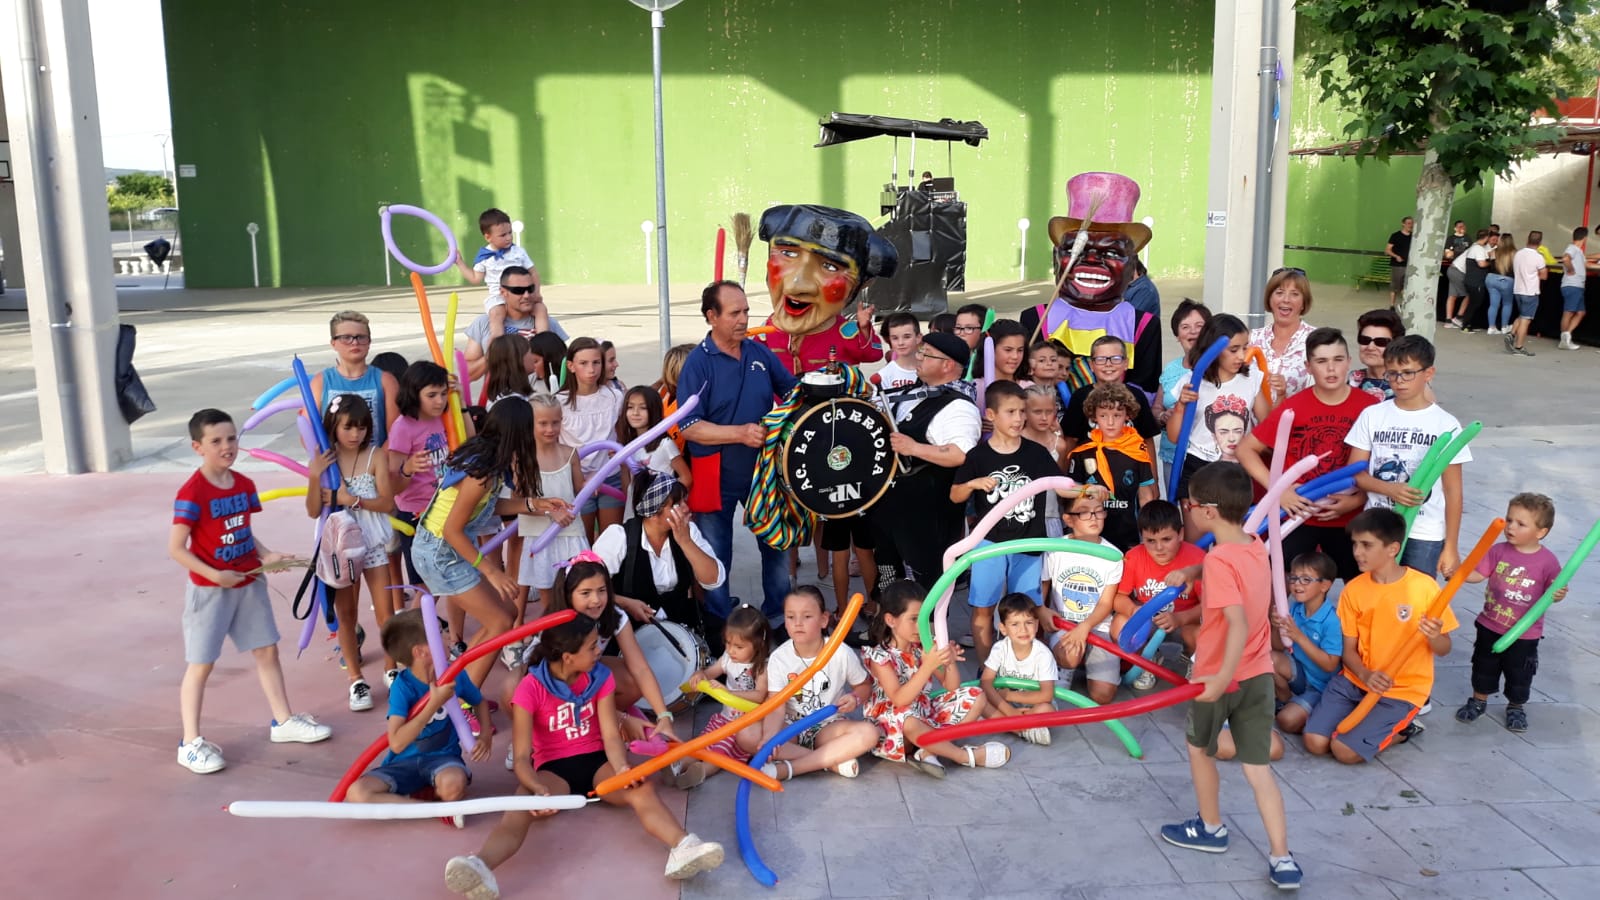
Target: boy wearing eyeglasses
{"x":1108,"y":359}
{"x":1315,"y":642}
{"x":1082,"y":589}
{"x":350,"y":336}
{"x":1392,"y":438}
{"x":969,"y":324}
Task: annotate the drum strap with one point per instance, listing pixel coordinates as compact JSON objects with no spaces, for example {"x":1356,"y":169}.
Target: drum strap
{"x":636,"y":580}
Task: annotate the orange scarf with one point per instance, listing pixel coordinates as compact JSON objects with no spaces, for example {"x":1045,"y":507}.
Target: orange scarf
{"x":1130,"y":444}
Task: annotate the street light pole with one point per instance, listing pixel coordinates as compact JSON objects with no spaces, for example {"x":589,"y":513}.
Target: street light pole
{"x":658,"y":21}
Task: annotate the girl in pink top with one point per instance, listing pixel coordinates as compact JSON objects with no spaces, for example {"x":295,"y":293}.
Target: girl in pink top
{"x":564,"y":714}
{"x":417,"y":448}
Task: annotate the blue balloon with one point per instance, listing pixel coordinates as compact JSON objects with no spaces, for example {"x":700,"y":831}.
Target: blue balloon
{"x":1182,"y":444}
{"x":741,"y":803}
{"x":271,"y":393}
{"x":1150,"y":648}
{"x":1350,"y":471}
{"x":1320,"y":492}
{"x":1137,"y":629}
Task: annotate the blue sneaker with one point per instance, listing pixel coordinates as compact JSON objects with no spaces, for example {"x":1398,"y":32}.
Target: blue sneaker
{"x":1285,"y":874}
{"x":1193,"y":835}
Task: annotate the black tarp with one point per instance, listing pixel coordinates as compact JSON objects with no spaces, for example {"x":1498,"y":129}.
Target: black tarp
{"x":840,"y":128}
{"x":932,"y":241}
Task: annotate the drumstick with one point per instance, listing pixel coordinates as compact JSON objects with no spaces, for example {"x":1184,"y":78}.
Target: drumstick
{"x":883,"y":401}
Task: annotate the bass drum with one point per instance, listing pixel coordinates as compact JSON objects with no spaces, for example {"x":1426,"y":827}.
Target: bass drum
{"x":673,"y":653}
{"x":837,"y":460}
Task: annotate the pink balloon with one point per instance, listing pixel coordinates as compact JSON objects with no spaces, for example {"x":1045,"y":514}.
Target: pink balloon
{"x":988,"y":369}
{"x":1280,"y":589}
{"x":941,"y":624}
{"x":1275,"y":490}
{"x":281,"y":460}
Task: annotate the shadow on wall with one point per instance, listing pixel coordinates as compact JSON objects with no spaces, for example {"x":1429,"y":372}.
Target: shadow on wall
{"x":546,"y":113}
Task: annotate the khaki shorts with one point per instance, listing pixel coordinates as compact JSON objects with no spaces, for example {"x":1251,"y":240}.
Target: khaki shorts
{"x":1247,"y":712}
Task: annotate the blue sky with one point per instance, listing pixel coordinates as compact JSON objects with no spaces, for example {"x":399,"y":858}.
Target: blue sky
{"x":130,"y":69}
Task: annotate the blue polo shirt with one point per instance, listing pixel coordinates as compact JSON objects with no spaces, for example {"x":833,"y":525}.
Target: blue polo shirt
{"x":732,"y":392}
{"x":1323,"y":629}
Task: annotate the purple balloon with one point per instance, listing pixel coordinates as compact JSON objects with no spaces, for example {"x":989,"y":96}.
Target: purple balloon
{"x":431,"y":219}
{"x":452,"y":708}
{"x":270,"y":410}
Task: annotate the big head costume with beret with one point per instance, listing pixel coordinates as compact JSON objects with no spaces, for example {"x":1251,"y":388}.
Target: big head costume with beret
{"x":818,"y":260}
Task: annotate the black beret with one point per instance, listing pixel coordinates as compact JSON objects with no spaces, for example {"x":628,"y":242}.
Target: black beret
{"x":840,"y":231}
{"x":950,"y":346}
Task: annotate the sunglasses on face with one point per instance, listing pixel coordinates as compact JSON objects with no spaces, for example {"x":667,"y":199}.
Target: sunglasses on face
{"x":353,"y":339}
{"x":518,"y":290}
{"x":1369,"y":340}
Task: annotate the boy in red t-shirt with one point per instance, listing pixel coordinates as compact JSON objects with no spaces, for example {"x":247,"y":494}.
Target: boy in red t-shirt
{"x":225,"y":596}
{"x":1162,"y":559}
{"x":1323,"y":417}
{"x":1233,"y":660}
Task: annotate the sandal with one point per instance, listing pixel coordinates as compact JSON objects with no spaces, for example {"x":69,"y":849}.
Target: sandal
{"x":1471,"y":710}
{"x":848,"y":769}
{"x":991,"y":750}
{"x":771,"y":768}
{"x":926,"y":764}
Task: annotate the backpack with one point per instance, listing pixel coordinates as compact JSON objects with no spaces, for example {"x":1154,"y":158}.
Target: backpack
{"x":341,"y":550}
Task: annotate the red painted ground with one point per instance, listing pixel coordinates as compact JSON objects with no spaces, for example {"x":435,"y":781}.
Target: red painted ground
{"x":96,"y":804}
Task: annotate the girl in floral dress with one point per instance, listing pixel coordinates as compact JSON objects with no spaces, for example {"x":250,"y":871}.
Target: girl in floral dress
{"x":903,"y":705}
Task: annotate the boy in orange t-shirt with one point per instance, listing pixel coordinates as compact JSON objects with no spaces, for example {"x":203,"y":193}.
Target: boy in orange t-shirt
{"x":1233,"y":660}
{"x":1376,"y":612}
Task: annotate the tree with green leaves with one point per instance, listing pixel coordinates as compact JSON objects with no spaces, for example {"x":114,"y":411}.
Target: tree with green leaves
{"x":139,"y":190}
{"x":1459,"y":80}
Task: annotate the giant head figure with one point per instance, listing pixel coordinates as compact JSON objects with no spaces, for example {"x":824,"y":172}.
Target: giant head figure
{"x":1104,"y":269}
{"x":818,"y":259}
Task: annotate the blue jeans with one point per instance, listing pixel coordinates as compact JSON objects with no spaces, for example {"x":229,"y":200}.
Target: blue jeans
{"x":1499,"y":295}
{"x":718,"y":530}
{"x":1423,"y":556}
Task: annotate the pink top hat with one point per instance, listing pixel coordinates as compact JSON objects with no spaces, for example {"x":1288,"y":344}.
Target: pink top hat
{"x":1107,"y":200}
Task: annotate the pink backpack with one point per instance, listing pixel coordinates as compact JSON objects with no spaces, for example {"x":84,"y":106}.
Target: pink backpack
{"x":341,"y":550}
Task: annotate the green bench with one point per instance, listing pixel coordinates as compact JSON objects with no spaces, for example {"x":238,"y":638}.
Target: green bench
{"x":1377,"y":273}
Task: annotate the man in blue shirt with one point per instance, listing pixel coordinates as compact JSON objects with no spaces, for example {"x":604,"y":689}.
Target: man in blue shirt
{"x":737,"y":380}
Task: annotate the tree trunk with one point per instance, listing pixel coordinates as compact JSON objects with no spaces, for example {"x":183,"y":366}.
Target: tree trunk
{"x":1435,"y":194}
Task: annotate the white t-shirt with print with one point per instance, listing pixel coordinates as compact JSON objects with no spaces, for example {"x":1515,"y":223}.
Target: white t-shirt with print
{"x":893,"y":375}
{"x":1077,"y":580}
{"x":1241,"y":387}
{"x":1397,"y":440}
{"x":1040,"y":666}
{"x":841,"y":672}
{"x":736,"y":676}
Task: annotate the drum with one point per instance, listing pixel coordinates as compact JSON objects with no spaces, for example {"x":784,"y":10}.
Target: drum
{"x":673,"y":653}
{"x":837,"y":460}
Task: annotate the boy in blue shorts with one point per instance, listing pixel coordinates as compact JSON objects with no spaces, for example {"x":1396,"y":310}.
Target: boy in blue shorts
{"x":424,"y":751}
{"x":226,"y":595}
{"x":1315,"y":640}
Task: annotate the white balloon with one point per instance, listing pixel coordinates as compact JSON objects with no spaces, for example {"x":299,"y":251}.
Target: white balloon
{"x":314,"y":809}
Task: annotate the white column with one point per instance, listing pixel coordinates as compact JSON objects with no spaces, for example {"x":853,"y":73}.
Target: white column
{"x":48,"y":74}
{"x":1230,"y":192}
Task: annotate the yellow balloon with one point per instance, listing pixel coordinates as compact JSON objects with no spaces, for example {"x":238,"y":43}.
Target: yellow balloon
{"x":279,"y":493}
{"x":720,"y":694}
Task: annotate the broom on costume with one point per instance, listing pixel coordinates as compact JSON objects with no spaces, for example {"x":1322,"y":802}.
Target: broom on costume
{"x":1079,"y":245}
{"x":743,"y":234}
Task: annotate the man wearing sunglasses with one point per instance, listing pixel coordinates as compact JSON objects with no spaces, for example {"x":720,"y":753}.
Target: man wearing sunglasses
{"x":525,"y":315}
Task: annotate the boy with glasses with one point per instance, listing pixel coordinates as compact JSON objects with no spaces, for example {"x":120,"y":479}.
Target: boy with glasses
{"x":969,"y":324}
{"x":1108,"y":360}
{"x":1308,"y":644}
{"x":1083,"y":589}
{"x":1392,"y":438}
{"x":351,"y":339}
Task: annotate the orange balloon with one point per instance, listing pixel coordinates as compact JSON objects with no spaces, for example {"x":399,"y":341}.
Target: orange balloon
{"x":427,"y":319}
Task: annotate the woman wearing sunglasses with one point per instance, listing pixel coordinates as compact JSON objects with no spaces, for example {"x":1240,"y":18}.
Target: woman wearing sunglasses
{"x":1283,"y":339}
{"x":1375,"y":330}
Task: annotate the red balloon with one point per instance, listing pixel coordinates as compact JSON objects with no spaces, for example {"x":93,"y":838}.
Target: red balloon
{"x":1149,"y":665}
{"x":1062,"y":717}
{"x":492,"y":645}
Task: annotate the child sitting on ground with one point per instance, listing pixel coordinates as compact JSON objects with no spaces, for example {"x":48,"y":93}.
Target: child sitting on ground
{"x":1115,"y":461}
{"x":1234,"y":663}
{"x":424,"y":751}
{"x":565,"y":714}
{"x":1163,"y":559}
{"x":1519,"y":570}
{"x":834,"y":744}
{"x":497,"y":253}
{"x":743,"y":669}
{"x":1082,"y":589}
{"x":904,"y":705}
{"x":226,"y":595}
{"x":1020,"y":655}
{"x":1315,"y":640}
{"x":1376,"y":612}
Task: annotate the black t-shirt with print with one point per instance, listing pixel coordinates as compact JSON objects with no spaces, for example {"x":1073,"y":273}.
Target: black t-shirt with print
{"x":1013,"y":472}
{"x":1075,"y":423}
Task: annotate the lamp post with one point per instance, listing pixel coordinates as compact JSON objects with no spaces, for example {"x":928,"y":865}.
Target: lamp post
{"x":658,"y":21}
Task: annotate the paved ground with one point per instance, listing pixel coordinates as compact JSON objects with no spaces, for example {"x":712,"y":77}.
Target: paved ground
{"x":87,"y":718}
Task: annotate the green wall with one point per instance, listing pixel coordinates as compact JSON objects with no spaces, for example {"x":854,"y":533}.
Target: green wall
{"x":304,"y":116}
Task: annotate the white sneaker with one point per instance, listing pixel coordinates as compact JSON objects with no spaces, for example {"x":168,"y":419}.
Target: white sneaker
{"x":389,"y":675}
{"x":201,"y":757}
{"x":1145,"y":681}
{"x":360,"y":695}
{"x":511,"y":655}
{"x":693,"y":856}
{"x":1493,"y":330}
{"x":300,"y":729}
{"x":1040,"y":736}
{"x":470,"y":877}
{"x":511,"y":758}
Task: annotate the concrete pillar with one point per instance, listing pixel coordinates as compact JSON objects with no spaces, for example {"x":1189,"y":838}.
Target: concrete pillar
{"x":1230,"y":189}
{"x":9,"y":236}
{"x":48,"y":74}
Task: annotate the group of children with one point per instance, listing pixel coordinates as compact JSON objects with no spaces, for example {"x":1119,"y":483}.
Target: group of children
{"x":572,"y":714}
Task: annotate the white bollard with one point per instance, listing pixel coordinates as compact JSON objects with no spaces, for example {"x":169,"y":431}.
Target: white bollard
{"x":648,"y":227}
{"x":255,"y":265}
{"x":1022,"y":256}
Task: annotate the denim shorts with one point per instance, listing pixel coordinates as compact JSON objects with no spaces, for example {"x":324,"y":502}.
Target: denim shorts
{"x":1307,"y":699}
{"x":1571,"y":298}
{"x":1527,"y":305}
{"x":598,"y":501}
{"x":409,"y":774}
{"x":443,"y":570}
{"x":995,"y":577}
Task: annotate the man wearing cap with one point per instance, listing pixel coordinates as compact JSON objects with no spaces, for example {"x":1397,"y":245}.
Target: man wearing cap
{"x":1089,"y":301}
{"x":818,"y":259}
{"x":935,"y":425}
{"x":736,"y":379}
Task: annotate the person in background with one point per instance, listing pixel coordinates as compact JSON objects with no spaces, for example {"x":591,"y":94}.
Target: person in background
{"x":1455,"y":245}
{"x":1142,"y":291}
{"x":1502,"y":307}
{"x":1474,"y":266}
{"x":1574,"y":275}
{"x":1398,"y":250}
{"x":1528,"y":268}
{"x":1283,"y":339}
{"x":1188,"y":320}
